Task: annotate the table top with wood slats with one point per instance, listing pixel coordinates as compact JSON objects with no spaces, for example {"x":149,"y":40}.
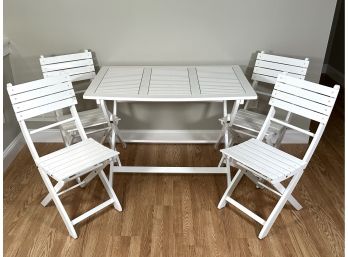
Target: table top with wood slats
{"x":170,"y":84}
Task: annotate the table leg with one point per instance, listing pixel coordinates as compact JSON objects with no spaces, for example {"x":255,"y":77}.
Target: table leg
{"x":232,"y":117}
{"x":229,"y":124}
{"x":112,"y":145}
{"x":226,"y":125}
{"x":113,"y":135}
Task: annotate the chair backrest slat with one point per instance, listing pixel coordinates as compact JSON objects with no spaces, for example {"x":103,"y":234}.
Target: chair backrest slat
{"x":24,"y":87}
{"x":307,"y":85}
{"x":41,"y":97}
{"x":79,"y":66}
{"x":311,"y":100}
{"x":268,"y":67}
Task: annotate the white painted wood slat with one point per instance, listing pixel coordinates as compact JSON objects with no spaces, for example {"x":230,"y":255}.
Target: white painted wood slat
{"x":253,"y":121}
{"x":70,"y":72}
{"x":70,"y":160}
{"x":282,"y":60}
{"x":266,"y":160}
{"x":89,"y":118}
{"x":274,"y":73}
{"x":310,"y":86}
{"x":65,"y":58}
{"x":66,"y":65}
{"x":308,"y":104}
{"x":319,"y":98}
{"x":42,"y":92}
{"x":177,"y":83}
{"x":281,"y":67}
{"x":46,"y":108}
{"x":84,"y":76}
{"x":12,"y":90}
{"x":43,"y":100}
{"x":309,"y":114}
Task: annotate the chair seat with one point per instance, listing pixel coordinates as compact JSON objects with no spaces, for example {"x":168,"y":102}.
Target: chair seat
{"x":79,"y":158}
{"x":264,"y":160}
{"x":252,"y":121}
{"x":89,"y":118}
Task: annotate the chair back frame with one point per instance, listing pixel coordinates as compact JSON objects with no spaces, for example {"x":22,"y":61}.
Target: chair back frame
{"x":268,"y":66}
{"x":307,"y":99}
{"x":42,"y":96}
{"x":79,"y":66}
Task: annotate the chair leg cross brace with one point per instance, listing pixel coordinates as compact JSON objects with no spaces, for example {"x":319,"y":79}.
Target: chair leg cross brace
{"x":54,"y":195}
{"x":285,"y":196}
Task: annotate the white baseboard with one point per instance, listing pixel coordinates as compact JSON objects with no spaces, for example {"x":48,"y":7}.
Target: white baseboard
{"x":333,"y":73}
{"x":12,"y":150}
{"x":169,"y":136}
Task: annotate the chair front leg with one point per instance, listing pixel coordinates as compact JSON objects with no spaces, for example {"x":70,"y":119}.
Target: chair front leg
{"x":111,"y":174}
{"x":230,"y":188}
{"x":106,"y":135}
{"x":48,"y":198}
{"x":89,"y":177}
{"x":109,"y":190}
{"x":279,"y":206}
{"x":291,"y":199}
{"x":58,"y":204}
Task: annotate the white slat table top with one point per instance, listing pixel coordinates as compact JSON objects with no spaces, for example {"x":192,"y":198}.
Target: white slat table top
{"x":170,"y":84}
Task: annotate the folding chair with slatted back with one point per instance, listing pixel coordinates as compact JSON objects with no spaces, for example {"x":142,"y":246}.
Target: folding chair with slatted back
{"x":256,"y":159}
{"x":79,"y":67}
{"x":266,"y":70}
{"x":86,"y":157}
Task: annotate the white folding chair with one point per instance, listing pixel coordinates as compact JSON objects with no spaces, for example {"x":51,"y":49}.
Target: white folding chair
{"x":86,"y":157}
{"x":258,"y":160}
{"x":79,"y":67}
{"x":266,"y":70}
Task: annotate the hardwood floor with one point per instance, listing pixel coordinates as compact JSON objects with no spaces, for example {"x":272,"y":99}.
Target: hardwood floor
{"x":176,"y":215}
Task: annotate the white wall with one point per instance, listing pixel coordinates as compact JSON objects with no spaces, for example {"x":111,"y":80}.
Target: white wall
{"x":167,"y":32}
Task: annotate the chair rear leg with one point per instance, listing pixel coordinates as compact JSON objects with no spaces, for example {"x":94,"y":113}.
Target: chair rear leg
{"x":59,"y":205}
{"x":89,"y":177}
{"x":230,"y":188}
{"x":279,"y":206}
{"x":109,"y":190}
{"x":106,"y":134}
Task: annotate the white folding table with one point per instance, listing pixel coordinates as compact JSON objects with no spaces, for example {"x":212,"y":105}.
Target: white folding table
{"x":170,"y":84}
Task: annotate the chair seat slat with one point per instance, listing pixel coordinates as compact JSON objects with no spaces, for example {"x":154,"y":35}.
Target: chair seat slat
{"x":89,"y":118}
{"x":71,"y":165}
